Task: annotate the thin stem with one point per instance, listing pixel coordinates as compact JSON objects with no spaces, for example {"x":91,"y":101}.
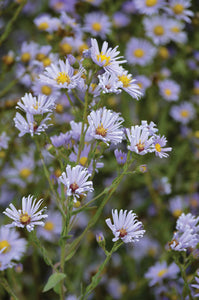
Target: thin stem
{"x":8,"y":288}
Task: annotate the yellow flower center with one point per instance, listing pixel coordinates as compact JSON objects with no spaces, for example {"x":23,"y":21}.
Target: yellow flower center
{"x":162,"y":272}
{"x":175,"y":29}
{"x":62,"y":78}
{"x":25,"y":57}
{"x":46,"y":90}
{"x":184,"y":113}
{"x":151,"y":3}
{"x":158,"y":30}
{"x":93,"y":86}
{"x":123,"y":232}
{"x":77,"y":204}
{"x":196,"y":90}
{"x":139,"y":52}
{"x":158,"y":147}
{"x":140,"y":146}
{"x":49,"y":226}
{"x":101,"y":130}
{"x":83,"y":160}
{"x":125,"y":80}
{"x":6,"y":245}
{"x":66,"y":48}
{"x":8,"y":59}
{"x":46,"y":62}
{"x":83,"y":47}
{"x":96,"y":26}
{"x":178,"y":9}
{"x":59,"y":108}
{"x":40,"y":56}
{"x":57,"y":173}
{"x":25,"y":173}
{"x":43,"y":26}
{"x":36,"y":106}
{"x":25,"y":218}
{"x":177,"y":213}
{"x":151,"y":251}
{"x":167,"y":92}
{"x":163,"y":52}
{"x":103,"y":58}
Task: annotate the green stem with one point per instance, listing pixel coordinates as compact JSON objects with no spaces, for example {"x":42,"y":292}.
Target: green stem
{"x":11,"y":22}
{"x":7,"y":287}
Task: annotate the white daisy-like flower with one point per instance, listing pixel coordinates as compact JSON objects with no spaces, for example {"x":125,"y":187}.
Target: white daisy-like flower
{"x":129,"y":84}
{"x":109,"y":83}
{"x":29,"y":125}
{"x":149,"y":7}
{"x":125,"y":226}
{"x":104,"y":125}
{"x":140,"y":140}
{"x":97,"y":24}
{"x":30,"y":215}
{"x":62,"y":75}
{"x":76,"y":181}
{"x":36,"y":105}
{"x":180,"y":9}
{"x":107,"y":57}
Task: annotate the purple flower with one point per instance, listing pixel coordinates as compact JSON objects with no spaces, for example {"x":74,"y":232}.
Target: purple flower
{"x":183,"y":113}
{"x":120,"y":156}
{"x":159,"y":143}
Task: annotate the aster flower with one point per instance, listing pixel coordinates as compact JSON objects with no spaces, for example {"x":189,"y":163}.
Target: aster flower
{"x":107,"y":57}
{"x":64,"y":139}
{"x":177,"y":205}
{"x":196,"y":284}
{"x":183,"y":113}
{"x":109,"y":83}
{"x":129,"y":84}
{"x":148,"y":7}
{"x":179,"y":9}
{"x":143,"y":82}
{"x":29,"y":125}
{"x":36,"y":105}
{"x":156,"y":28}
{"x":125,"y":226}
{"x":97,"y":24}
{"x":120,"y":19}
{"x":28,"y":52}
{"x":39,"y":87}
{"x":76,"y":181}
{"x":12,"y":246}
{"x":61,"y":75}
{"x":139,"y":51}
{"x":52,"y":228}
{"x":176,"y":33}
{"x":140,"y":140}
{"x":151,"y":127}
{"x":159,"y":142}
{"x":160,"y":271}
{"x":181,"y":241}
{"x":46,"y":23}
{"x":104,"y":125}
{"x":188,"y":220}
{"x":169,"y":89}
{"x":30,"y":215}
{"x":4,"y":139}
{"x":120,"y":156}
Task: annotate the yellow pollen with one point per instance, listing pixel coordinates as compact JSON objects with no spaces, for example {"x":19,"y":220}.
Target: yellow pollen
{"x":25,"y":218}
{"x":62,"y":78}
{"x":163,"y":52}
{"x":96,"y":26}
{"x":123,"y":232}
{"x":139,"y":52}
{"x":184,"y":113}
{"x":175,"y":29}
{"x":103,"y":58}
{"x":43,"y":26}
{"x":101,"y":130}
{"x":25,"y":173}
{"x":151,"y":3}
{"x":177,"y":213}
{"x":46,"y":90}
{"x":196,"y":91}
{"x":158,"y":147}
{"x":162,"y":272}
{"x":25,"y":57}
{"x":46,"y":62}
{"x":93,"y":86}
{"x":59,"y":108}
{"x":167,"y":92}
{"x":49,"y":226}
{"x":40,"y":56}
{"x":140,"y":146}
{"x":66,"y":48}
{"x":125,"y":80}
{"x":178,"y":9}
{"x":83,"y":47}
{"x":83,"y":160}
{"x":158,"y":30}
{"x":36,"y":106}
{"x":6,"y":245}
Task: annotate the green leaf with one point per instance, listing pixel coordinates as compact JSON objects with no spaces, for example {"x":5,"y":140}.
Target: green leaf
{"x":53,"y":280}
